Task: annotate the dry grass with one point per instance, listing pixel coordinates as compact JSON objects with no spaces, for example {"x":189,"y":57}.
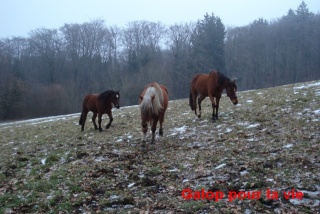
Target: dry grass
{"x":269,"y":141}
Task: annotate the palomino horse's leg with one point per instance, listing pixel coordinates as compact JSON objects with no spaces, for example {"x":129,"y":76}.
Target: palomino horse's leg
{"x":144,"y":130}
{"x":200,"y":99}
{"x":99,"y":121}
{"x":110,"y":119}
{"x":94,"y":121}
{"x":153,"y":128}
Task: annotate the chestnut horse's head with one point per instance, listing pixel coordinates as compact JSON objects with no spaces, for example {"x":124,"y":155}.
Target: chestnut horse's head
{"x":116,"y":99}
{"x":231,"y":89}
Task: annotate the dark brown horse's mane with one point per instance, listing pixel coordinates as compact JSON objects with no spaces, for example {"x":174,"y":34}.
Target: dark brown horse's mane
{"x":222,"y":78}
{"x":104,"y":96}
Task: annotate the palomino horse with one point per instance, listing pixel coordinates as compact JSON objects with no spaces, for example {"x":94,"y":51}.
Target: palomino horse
{"x":99,"y":104}
{"x":212,"y":85}
{"x":153,"y":104}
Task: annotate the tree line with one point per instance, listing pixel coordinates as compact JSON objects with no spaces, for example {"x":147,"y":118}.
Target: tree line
{"x":49,"y":72}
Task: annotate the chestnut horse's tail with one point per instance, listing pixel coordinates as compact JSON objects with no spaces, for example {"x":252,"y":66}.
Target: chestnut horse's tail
{"x":192,"y":87}
{"x":85,"y":100}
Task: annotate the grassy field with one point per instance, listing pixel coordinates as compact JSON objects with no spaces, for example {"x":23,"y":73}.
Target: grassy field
{"x":269,"y":142}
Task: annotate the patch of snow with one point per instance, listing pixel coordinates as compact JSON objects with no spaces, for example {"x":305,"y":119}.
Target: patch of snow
{"x":220,"y":166}
{"x":307,"y":85}
{"x":305,"y":201}
{"x":288,"y":146}
{"x":243,"y":123}
{"x":113,"y":197}
{"x":253,"y":125}
{"x":130,"y":185}
{"x":249,"y":101}
{"x":43,"y":161}
{"x":242,"y":173}
{"x":316,"y":111}
{"x":228,"y":130}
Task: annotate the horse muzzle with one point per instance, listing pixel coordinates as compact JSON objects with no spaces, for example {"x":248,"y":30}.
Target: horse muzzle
{"x":234,"y":101}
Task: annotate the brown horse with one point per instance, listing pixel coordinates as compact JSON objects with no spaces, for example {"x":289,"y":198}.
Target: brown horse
{"x":153,"y":104}
{"x":99,"y":104}
{"x":212,"y":85}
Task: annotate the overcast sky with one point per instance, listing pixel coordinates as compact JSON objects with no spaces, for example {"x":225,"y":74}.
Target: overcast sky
{"x":19,"y":17}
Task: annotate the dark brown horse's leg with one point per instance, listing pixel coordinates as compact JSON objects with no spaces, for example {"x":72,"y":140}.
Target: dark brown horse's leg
{"x":83,"y":119}
{"x":99,"y":121}
{"x":153,"y":128}
{"x":213,"y":103}
{"x":94,"y":121}
{"x":110,"y":119}
{"x":217,"y":106}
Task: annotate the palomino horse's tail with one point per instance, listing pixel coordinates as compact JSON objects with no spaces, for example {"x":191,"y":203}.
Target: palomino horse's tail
{"x":152,"y":102}
{"x":85,"y":100}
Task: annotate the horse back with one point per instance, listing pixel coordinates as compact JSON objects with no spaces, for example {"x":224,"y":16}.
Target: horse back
{"x":90,"y":102}
{"x":199,"y":84}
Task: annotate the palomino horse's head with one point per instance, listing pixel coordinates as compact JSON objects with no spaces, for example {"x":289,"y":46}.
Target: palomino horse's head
{"x":231,"y":91}
{"x":116,"y":99}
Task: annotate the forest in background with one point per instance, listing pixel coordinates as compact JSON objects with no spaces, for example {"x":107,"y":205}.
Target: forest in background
{"x":49,"y":72}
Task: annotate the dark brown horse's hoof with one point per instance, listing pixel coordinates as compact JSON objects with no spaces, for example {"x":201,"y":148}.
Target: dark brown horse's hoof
{"x":199,"y":116}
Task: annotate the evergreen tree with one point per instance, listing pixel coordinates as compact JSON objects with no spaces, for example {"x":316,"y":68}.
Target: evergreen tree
{"x":208,"y":44}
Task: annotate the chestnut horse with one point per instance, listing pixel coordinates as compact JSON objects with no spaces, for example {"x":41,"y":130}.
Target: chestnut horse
{"x":212,"y":85}
{"x":99,"y":104}
{"x":153,"y":104}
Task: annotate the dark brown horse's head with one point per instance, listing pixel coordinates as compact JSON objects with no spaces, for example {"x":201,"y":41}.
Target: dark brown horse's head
{"x":231,"y":91}
{"x":116,"y":99}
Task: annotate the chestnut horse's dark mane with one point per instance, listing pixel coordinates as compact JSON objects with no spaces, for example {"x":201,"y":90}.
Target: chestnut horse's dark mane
{"x":104,"y":96}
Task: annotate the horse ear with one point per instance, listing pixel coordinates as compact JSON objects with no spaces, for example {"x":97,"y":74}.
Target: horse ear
{"x":141,"y":98}
{"x":234,"y":80}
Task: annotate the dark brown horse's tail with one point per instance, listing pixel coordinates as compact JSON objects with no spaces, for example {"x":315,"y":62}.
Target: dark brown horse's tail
{"x":191,"y":100}
{"x":85,"y":100}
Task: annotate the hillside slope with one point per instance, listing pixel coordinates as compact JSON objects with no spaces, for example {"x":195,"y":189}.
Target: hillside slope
{"x":269,"y":143}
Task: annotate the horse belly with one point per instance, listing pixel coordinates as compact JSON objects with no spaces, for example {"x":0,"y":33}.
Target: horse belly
{"x":201,"y":85}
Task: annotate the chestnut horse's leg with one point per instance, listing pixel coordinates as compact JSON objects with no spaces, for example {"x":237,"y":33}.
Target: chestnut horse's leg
{"x":94,"y":121}
{"x":161,"y":118}
{"x":144,"y":130}
{"x":194,"y":97}
{"x":109,"y":112}
{"x":153,"y":128}
{"x":99,"y":121}
{"x":200,"y":99}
